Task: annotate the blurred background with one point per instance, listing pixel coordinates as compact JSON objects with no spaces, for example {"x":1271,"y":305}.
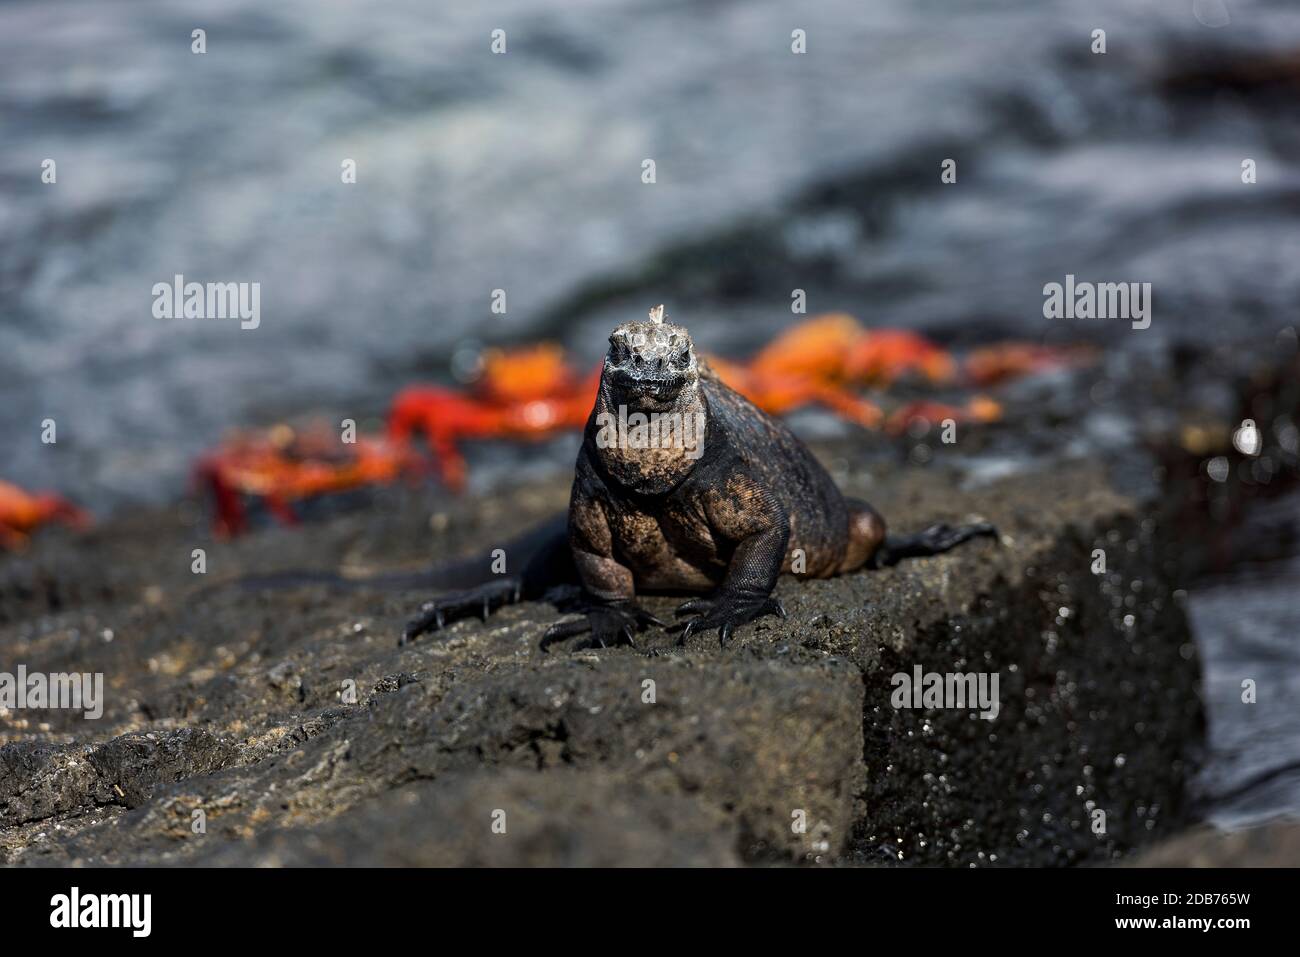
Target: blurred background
{"x":522,"y":172}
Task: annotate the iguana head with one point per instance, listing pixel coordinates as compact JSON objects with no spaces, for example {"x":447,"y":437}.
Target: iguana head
{"x":651,"y":364}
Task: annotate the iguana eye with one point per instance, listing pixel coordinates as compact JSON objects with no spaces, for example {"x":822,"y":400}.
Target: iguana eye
{"x":682,"y":359}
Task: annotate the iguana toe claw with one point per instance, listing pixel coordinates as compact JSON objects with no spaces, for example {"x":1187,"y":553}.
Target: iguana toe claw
{"x":726,"y":614}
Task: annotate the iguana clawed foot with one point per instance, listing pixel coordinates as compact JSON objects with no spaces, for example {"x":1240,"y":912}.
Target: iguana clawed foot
{"x":606,"y":624}
{"x":480,"y":601}
{"x":724,"y":612}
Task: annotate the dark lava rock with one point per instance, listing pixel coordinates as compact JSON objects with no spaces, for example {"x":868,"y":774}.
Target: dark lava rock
{"x":286,"y":725}
{"x":509,"y":818}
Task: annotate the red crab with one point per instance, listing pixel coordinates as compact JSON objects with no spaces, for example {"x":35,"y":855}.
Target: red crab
{"x":282,"y":465}
{"x":23,"y":512}
{"x":526,"y":393}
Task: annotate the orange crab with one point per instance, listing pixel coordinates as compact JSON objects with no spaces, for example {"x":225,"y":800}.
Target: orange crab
{"x":837,"y":349}
{"x":22,"y":512}
{"x":882,"y":356}
{"x":521,"y":394}
{"x":802,"y":366}
{"x":1004,"y":361}
{"x":782,"y":393}
{"x":282,"y":465}
{"x":827,"y":359}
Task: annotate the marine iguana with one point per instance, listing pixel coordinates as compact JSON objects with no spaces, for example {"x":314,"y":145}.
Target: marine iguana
{"x":659,"y":508}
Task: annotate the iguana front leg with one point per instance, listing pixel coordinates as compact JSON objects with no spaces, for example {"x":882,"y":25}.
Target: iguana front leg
{"x":744,"y":512}
{"x":606,"y":604}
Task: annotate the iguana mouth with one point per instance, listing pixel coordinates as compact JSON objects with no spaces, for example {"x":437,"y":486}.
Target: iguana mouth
{"x":660,"y":388}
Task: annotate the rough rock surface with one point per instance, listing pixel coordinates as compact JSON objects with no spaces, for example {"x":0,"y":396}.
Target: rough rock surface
{"x":231,"y":733}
